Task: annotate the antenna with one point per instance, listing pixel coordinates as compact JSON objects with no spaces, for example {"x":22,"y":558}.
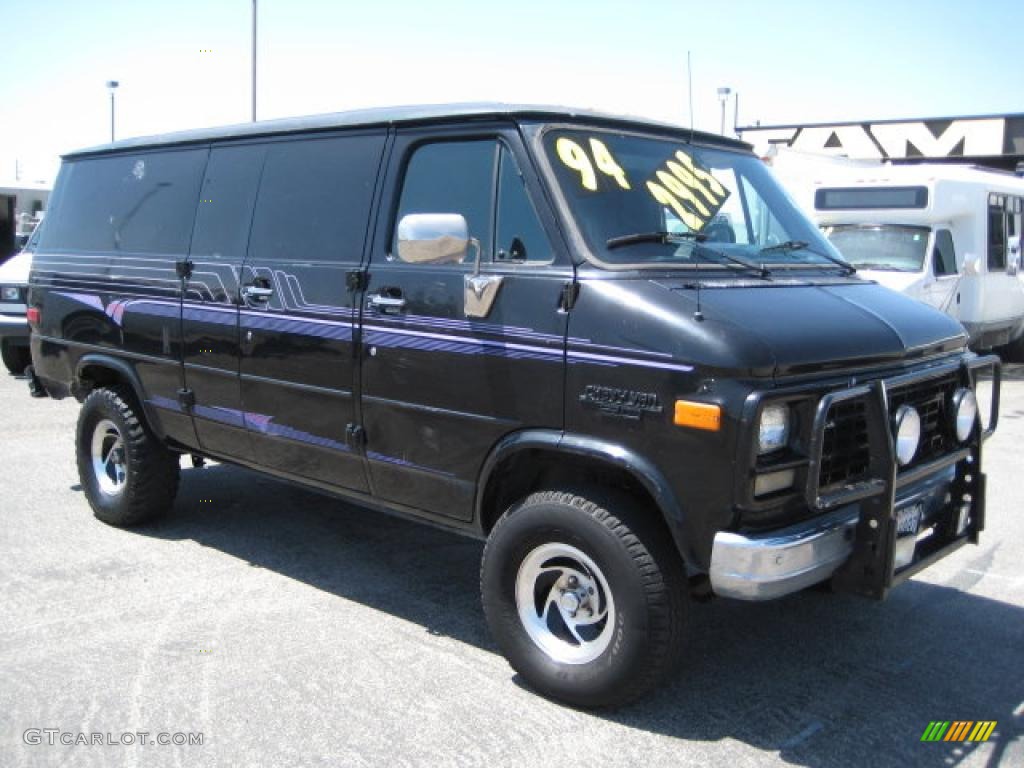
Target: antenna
{"x":698,"y":315}
{"x":736,"y":117}
{"x":689,"y":77}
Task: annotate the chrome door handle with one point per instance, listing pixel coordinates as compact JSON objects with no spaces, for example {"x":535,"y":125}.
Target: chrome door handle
{"x":387,"y":303}
{"x":254,"y":294}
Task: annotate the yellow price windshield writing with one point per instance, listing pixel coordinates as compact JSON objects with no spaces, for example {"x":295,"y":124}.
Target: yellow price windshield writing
{"x":693,"y":194}
{"x":574,"y":156}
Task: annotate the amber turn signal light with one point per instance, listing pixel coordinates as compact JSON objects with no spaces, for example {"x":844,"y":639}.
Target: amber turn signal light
{"x":698,"y":415}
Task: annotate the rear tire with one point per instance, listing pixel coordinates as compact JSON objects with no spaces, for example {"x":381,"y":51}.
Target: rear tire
{"x":586,"y":599}
{"x":127,"y":475}
{"x":16,"y":358}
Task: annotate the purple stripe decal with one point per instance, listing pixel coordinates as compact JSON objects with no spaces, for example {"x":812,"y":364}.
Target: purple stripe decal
{"x":393,"y":337}
{"x":264,"y":424}
{"x":165,"y":402}
{"x":152,"y":308}
{"x":305,"y":327}
{"x":220,"y":414}
{"x":257,"y":422}
{"x":607,"y":359}
{"x":434,"y":342}
{"x":83,"y":298}
{"x":374,"y":456}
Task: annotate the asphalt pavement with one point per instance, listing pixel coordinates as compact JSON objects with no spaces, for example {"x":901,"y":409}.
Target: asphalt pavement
{"x":280,"y":627}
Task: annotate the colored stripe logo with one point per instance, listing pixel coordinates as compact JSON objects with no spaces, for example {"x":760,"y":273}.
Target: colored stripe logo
{"x":959,"y":730}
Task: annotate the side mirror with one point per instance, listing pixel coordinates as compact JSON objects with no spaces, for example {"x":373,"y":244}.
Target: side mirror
{"x":433,"y":238}
{"x":972,"y":265}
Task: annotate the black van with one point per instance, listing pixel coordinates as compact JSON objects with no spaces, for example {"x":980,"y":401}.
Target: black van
{"x":614,"y":348}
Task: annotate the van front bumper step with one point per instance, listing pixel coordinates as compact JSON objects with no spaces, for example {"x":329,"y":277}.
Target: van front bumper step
{"x":766,"y":566}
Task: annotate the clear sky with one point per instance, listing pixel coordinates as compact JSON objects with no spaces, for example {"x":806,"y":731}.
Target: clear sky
{"x":186,"y":63}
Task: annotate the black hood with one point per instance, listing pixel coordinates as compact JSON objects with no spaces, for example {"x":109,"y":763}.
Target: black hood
{"x":807,"y":327}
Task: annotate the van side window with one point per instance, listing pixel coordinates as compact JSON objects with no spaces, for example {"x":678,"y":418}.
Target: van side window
{"x":944,"y":256}
{"x":226,"y":202}
{"x":453,"y":177}
{"x":133,"y":203}
{"x":520,"y":236}
{"x":314,"y":199}
{"x":996,"y":234}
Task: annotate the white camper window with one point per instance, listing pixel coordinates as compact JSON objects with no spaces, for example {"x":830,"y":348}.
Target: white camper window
{"x":943,"y":255}
{"x":996,"y":233}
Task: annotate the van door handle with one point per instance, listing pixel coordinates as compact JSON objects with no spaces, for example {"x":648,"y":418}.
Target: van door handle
{"x":255,"y":294}
{"x":387,"y":303}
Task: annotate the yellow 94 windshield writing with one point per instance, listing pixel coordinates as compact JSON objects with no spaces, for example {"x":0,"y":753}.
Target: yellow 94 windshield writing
{"x":693,"y":194}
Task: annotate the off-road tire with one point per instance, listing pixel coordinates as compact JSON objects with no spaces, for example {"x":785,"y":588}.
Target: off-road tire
{"x":644,"y":573}
{"x":152,"y":472}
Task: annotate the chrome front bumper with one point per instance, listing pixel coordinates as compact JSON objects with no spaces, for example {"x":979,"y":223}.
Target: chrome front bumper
{"x":783,"y":561}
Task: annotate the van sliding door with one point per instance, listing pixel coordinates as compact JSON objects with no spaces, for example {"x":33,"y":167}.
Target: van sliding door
{"x":297,"y":312}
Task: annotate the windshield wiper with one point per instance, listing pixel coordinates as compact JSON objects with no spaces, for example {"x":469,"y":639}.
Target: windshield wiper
{"x":801,"y":245}
{"x":761,"y":269}
{"x":653,"y":237}
{"x":699,"y":237}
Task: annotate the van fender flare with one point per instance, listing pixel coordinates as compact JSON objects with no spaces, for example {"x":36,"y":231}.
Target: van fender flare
{"x":613,"y":454}
{"x":127,"y":372}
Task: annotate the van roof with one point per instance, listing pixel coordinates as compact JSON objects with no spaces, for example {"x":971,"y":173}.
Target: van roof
{"x":426,"y":113}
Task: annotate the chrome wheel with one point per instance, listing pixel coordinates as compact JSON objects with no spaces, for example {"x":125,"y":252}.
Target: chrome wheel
{"x":565,"y":604}
{"x":108,"y":459}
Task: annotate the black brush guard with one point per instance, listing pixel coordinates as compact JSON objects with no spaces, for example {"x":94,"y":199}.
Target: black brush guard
{"x":870,"y":569}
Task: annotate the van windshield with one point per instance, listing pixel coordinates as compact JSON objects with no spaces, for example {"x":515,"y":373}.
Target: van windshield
{"x":645,"y":201}
{"x":889,"y":247}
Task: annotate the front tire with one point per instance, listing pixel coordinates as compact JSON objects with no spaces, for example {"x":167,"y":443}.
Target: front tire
{"x":585,"y":599}
{"x":127,"y":475}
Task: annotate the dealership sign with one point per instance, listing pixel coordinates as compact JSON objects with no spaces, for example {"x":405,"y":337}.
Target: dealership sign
{"x":941,"y":138}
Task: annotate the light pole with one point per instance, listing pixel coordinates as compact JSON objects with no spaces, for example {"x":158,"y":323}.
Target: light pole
{"x":112,"y":86}
{"x":254,"y":61}
{"x":723,"y":97}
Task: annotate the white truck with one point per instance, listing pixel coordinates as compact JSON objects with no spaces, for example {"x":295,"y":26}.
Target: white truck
{"x":948,"y":235}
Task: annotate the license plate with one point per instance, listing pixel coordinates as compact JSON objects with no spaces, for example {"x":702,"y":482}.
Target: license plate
{"x":908,"y":520}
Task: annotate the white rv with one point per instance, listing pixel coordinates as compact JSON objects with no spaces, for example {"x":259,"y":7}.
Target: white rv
{"x":948,"y":235}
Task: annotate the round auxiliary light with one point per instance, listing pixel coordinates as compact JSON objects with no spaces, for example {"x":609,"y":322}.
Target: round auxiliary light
{"x":965,"y":413}
{"x":908,"y":434}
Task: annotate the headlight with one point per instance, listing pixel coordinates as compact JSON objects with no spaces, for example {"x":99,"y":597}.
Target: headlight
{"x":11,"y":293}
{"x":908,"y":433}
{"x":773,"y":431}
{"x":965,"y":413}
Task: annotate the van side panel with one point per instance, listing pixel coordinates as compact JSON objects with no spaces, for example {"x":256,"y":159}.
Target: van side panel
{"x":297,"y":347}
{"x":105,"y":274}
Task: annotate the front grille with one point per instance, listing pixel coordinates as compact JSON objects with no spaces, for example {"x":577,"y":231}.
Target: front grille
{"x":846,"y":448}
{"x":846,"y":445}
{"x":932,"y":399}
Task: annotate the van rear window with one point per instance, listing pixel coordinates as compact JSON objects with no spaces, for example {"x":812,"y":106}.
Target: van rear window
{"x":137,"y":203}
{"x":852,"y":198}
